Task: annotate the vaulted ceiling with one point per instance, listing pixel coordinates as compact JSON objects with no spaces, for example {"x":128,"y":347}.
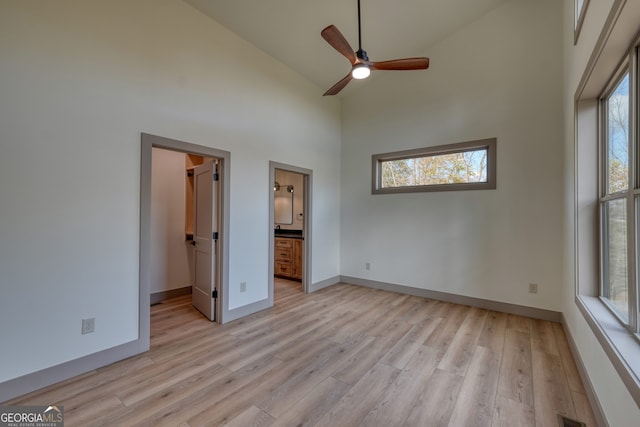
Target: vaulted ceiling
{"x":289,"y":30}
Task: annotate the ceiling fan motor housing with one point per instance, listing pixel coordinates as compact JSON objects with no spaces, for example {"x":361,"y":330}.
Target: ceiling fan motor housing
{"x":362,"y":55}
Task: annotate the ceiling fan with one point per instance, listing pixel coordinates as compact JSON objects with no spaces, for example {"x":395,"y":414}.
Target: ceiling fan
{"x":361,"y":66}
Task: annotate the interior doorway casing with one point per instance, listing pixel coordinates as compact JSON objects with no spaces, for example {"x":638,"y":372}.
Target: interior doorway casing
{"x":224,"y":157}
{"x":306,"y":223}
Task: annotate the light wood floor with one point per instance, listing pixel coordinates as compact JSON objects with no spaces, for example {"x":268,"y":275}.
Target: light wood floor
{"x":344,"y":356}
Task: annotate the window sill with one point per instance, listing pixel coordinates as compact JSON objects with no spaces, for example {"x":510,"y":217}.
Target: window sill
{"x":622,"y":348}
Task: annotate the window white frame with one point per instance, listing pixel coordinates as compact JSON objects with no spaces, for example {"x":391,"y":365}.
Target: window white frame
{"x":490,"y":145}
{"x":630,"y":195}
{"x":580,"y":11}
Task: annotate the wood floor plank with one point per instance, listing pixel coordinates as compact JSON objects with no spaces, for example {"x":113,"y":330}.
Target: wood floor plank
{"x":252,"y":417}
{"x":493,"y":332}
{"x":516,"y":377}
{"x":212,"y":340}
{"x":583,"y":409}
{"x":551,"y":391}
{"x":314,"y":405}
{"x":452,"y":316}
{"x":569,"y":365}
{"x":402,"y":309}
{"x":362,"y":397}
{"x":435,"y":404}
{"x":180,"y":392}
{"x":374,"y":321}
{"x":359,"y":325}
{"x":463,"y":345}
{"x":125,"y":367}
{"x":523,"y":324}
{"x":419,"y":312}
{"x":302,"y":345}
{"x":423,"y":329}
{"x":252,"y":348}
{"x":443,"y":309}
{"x":236,"y":402}
{"x":402,"y":352}
{"x":289,"y":392}
{"x":543,"y":338}
{"x":173,"y":414}
{"x":476,"y":401}
{"x":351,"y":370}
{"x":394,"y":406}
{"x":334,"y":328}
{"x":92,"y":410}
{"x":509,"y":413}
{"x":145,"y":386}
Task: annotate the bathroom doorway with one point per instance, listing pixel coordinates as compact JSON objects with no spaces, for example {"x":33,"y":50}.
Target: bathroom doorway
{"x":290,"y":234}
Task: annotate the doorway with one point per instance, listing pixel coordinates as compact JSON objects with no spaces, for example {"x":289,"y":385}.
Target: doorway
{"x":290,"y":232}
{"x":218,"y":238}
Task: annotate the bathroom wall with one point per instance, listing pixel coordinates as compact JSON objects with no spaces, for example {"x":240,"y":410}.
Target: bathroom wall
{"x":285,"y":178}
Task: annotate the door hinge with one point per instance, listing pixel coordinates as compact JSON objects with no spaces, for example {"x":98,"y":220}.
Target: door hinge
{"x":214,"y":294}
{"x":214,"y":235}
{"x":216,"y":176}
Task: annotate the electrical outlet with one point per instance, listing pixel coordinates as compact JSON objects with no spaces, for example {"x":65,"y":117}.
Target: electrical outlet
{"x":88,"y":325}
{"x":243,"y":286}
{"x":367,"y":266}
{"x":533,"y":288}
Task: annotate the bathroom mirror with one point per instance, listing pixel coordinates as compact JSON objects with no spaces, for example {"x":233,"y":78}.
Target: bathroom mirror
{"x":283,"y":201}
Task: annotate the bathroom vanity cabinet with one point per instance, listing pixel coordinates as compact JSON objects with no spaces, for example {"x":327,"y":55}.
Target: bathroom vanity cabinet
{"x":288,"y":257}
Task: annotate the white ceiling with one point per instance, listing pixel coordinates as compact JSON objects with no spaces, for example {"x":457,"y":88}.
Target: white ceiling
{"x":289,"y":30}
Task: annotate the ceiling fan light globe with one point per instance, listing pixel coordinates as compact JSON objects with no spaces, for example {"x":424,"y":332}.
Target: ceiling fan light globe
{"x":360,"y":71}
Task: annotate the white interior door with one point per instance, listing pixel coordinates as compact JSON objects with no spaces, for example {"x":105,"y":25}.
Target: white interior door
{"x":205,"y":239}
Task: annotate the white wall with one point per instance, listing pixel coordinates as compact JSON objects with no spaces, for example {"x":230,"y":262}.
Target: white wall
{"x":79,"y":81}
{"x":501,"y":76}
{"x":615,"y":400}
{"x":171,"y":255}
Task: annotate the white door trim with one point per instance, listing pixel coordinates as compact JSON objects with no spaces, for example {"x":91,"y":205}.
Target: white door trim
{"x":224,"y":157}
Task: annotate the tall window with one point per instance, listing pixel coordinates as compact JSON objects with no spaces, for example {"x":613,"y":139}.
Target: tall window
{"x":619,"y":197}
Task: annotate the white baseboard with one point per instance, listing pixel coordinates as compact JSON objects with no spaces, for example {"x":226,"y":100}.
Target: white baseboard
{"x":598,"y":413}
{"x":503,"y":307}
{"x":325,"y":283}
{"x":156,"y":297}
